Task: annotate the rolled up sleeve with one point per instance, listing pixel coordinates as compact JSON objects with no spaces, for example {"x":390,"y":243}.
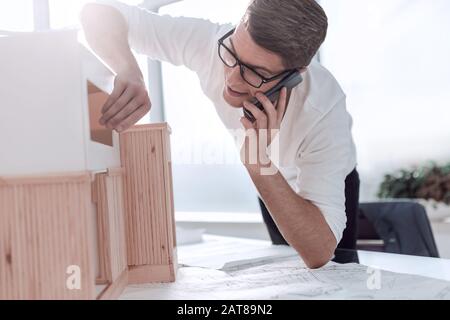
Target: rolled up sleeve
{"x":327,"y":157}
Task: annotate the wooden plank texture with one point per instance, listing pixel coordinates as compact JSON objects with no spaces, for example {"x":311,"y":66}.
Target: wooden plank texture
{"x":44,"y":230}
{"x":145,"y":155}
{"x":108,"y":197}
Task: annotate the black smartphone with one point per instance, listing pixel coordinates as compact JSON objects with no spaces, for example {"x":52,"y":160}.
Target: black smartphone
{"x":292,"y":80}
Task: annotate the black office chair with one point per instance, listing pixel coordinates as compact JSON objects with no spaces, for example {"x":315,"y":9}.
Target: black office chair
{"x":401,"y":227}
{"x":398,"y":227}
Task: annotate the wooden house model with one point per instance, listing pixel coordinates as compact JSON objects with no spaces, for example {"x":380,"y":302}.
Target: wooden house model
{"x":84,"y":211}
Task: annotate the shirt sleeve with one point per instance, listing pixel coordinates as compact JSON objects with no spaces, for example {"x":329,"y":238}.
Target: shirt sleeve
{"x":324,"y":162}
{"x":176,"y":40}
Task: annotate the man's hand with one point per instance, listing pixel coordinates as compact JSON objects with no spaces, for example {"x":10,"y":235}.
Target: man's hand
{"x":262,"y":132}
{"x":128,"y":103}
{"x":106,"y":31}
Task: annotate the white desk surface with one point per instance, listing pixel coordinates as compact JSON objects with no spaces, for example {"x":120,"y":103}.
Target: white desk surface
{"x":198,"y":254}
{"x":215,"y":251}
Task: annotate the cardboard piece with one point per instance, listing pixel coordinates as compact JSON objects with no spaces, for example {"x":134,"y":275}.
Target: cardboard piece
{"x":96,"y":100}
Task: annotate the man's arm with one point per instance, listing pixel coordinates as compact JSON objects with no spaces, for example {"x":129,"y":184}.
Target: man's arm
{"x":113,"y":27}
{"x":300,"y":222}
{"x":311,"y":221}
{"x":107,"y":33}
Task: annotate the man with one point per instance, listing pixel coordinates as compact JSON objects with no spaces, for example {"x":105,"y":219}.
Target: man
{"x":304,"y":202}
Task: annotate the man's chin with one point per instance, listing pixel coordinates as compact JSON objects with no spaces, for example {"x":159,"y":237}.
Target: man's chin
{"x":232,"y":101}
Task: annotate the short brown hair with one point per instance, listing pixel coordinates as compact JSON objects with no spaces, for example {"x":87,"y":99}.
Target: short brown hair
{"x":293,"y":29}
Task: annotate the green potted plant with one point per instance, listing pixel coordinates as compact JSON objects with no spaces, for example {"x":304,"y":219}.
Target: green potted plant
{"x":428,"y":184}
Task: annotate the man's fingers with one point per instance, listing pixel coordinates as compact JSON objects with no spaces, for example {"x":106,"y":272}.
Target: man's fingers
{"x":249,"y":147}
{"x":248,"y":125}
{"x":119,"y":88}
{"x":281,"y":105}
{"x":129,"y":109}
{"x":123,"y":100}
{"x":260,"y":116}
{"x":133,"y":118}
{"x":268,"y":106}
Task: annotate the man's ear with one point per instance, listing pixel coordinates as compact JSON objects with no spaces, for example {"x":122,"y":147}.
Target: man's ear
{"x":302,"y":69}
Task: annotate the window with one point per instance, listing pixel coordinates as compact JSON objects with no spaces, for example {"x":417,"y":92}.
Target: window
{"x":391,"y":57}
{"x":16,"y":15}
{"x":65,"y":13}
{"x":207,"y":173}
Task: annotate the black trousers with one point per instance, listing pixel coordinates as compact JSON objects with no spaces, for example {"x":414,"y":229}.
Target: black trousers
{"x":351,"y":209}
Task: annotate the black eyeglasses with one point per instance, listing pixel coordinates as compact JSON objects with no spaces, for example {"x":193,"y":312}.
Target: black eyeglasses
{"x":249,"y":74}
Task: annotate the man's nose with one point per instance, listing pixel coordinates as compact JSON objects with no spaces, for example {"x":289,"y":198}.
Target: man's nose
{"x":235,"y":75}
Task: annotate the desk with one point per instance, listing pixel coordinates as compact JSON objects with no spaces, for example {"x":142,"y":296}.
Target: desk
{"x":216,"y":252}
{"x":421,"y":266}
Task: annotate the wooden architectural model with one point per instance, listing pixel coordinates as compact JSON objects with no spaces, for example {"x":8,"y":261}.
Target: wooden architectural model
{"x":83,"y":211}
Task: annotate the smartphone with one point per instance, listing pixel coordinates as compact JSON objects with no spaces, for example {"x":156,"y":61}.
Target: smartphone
{"x":292,"y":80}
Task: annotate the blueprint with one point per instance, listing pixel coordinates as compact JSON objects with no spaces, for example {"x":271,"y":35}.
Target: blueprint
{"x":286,"y":277}
{"x":216,"y":253}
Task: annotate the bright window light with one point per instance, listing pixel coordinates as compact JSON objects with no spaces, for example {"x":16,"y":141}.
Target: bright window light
{"x":392,"y":58}
{"x":64,"y":13}
{"x":16,"y":15}
{"x":208,"y":176}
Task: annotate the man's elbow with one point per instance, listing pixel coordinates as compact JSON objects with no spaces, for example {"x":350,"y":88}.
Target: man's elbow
{"x":89,"y":20}
{"x":318,"y":259}
{"x":88,"y":12}
{"x":317,"y":263}
{"x":95,"y":16}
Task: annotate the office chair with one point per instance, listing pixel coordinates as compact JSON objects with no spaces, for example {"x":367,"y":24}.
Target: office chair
{"x":403,"y":227}
{"x":396,"y":227}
